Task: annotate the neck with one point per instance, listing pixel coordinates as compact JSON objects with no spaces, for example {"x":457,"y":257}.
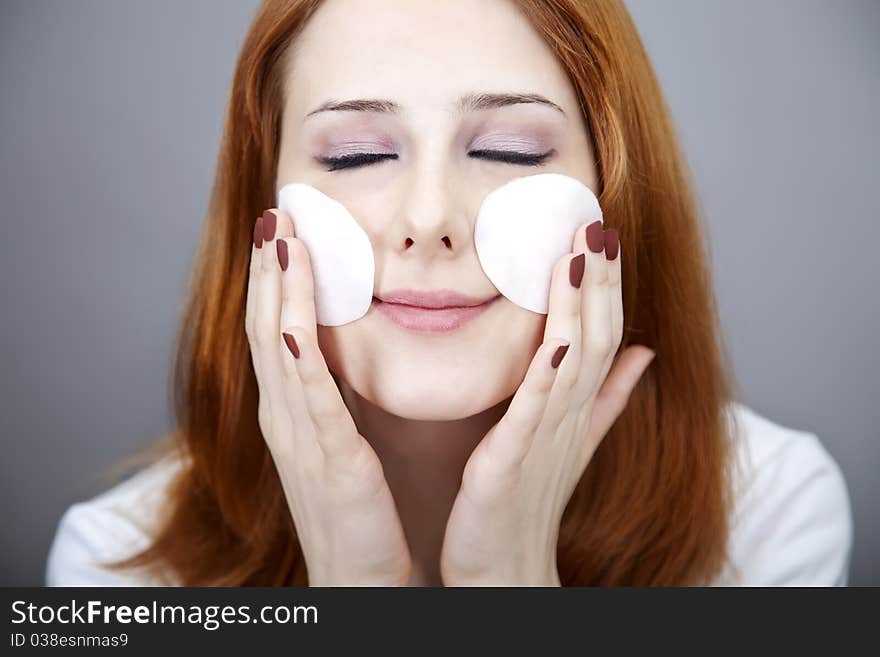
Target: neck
{"x":423,"y":463}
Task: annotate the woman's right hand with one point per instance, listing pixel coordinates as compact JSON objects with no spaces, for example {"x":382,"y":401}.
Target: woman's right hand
{"x":345,"y":517}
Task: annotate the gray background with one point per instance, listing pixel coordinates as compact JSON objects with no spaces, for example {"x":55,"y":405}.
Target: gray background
{"x":109,"y":127}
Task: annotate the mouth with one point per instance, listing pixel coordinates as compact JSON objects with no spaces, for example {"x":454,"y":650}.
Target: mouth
{"x":438,"y":311}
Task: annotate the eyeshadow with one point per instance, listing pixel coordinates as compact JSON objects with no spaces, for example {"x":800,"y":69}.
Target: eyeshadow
{"x":354,"y":146}
{"x":509,"y":140}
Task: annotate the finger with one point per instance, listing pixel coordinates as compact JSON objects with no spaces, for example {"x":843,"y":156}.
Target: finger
{"x":514,"y":434}
{"x":284,"y":235}
{"x":297,"y":279}
{"x":268,"y":339}
{"x":297,"y":309}
{"x":283,"y":224}
{"x":595,"y":315}
{"x":297,"y":286}
{"x":579,"y":243}
{"x":563,"y":316}
{"x":250,"y":303}
{"x":275,"y":224}
{"x":335,"y":429}
{"x":303,"y":428}
{"x":615,"y":292}
{"x":617,"y":388}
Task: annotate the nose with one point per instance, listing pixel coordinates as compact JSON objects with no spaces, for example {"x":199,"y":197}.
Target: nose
{"x":433,"y":221}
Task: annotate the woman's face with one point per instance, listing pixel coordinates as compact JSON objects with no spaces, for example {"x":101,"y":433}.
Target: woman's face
{"x":463,"y":96}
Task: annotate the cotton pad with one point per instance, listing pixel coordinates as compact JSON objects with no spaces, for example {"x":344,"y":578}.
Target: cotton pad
{"x":524,"y":227}
{"x":340,"y":251}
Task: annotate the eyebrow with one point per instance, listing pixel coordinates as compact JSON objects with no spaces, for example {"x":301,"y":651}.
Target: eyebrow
{"x":467,"y":103}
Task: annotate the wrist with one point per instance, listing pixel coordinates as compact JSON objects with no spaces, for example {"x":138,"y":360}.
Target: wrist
{"x":326,"y":575}
{"x":540,"y":577}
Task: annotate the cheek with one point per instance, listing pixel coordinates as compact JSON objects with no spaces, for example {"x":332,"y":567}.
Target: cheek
{"x":332,"y":341}
{"x":527,"y":330}
{"x":337,"y":349}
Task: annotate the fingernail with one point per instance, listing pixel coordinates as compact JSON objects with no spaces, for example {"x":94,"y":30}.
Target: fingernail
{"x":558,"y":356}
{"x":595,"y":239}
{"x":268,"y":225}
{"x":576,"y":270}
{"x":281,"y":247}
{"x":291,"y":344}
{"x":258,"y":233}
{"x":611,"y":244}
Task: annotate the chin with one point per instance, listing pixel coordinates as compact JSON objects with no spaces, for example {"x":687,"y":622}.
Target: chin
{"x":436,"y":401}
{"x":417,"y":384}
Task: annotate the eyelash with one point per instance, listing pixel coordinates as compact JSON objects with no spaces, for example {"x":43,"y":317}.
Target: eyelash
{"x":364,"y":159}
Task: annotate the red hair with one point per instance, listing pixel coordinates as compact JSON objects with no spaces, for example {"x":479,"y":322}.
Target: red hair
{"x":652,"y":506}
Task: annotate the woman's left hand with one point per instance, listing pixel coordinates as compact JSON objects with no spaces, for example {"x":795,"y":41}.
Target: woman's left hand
{"x":505,"y":521}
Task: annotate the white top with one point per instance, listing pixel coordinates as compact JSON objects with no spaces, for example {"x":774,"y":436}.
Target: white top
{"x":791,"y":523}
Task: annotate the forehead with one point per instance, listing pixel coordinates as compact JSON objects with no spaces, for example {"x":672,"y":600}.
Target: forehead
{"x":420,"y":53}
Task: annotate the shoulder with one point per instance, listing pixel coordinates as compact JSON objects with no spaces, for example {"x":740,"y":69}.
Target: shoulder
{"x":111,"y":526}
{"x":791,"y":522}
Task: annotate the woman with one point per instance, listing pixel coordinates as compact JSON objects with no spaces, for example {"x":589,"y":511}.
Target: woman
{"x":599,"y":444}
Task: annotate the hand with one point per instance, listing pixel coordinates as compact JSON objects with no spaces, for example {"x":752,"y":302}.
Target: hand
{"x":345,"y":517}
{"x":504,"y":524}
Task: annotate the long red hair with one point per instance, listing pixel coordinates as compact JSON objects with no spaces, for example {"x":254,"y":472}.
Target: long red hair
{"x":652,"y":507}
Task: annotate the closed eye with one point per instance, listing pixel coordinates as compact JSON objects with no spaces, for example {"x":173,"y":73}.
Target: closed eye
{"x":513,"y":157}
{"x":356,"y":160}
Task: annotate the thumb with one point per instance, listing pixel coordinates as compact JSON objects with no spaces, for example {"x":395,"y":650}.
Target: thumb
{"x":617,"y":387}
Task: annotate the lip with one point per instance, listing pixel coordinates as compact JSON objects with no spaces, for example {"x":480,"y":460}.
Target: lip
{"x":437,"y":311}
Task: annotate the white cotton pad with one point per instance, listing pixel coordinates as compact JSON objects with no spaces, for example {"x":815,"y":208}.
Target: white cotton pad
{"x":524,"y":227}
{"x":340,"y":251}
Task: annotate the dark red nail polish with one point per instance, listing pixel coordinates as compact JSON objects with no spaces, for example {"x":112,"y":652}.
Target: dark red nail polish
{"x":558,"y":356}
{"x":281,"y":247}
{"x":595,"y":238}
{"x":291,"y":344}
{"x":611,"y":244}
{"x":258,"y":233}
{"x":268,"y":225}
{"x":576,"y":270}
